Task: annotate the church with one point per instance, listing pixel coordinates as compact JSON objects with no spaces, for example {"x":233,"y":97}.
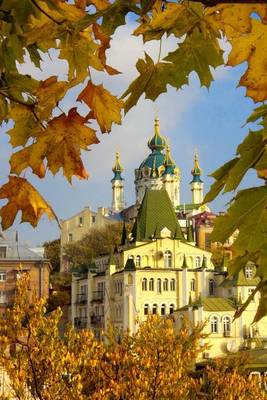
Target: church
{"x":159,"y":269}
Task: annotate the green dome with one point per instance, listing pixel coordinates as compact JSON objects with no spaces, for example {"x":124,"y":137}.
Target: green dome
{"x":158,"y":142}
{"x":155,"y":159}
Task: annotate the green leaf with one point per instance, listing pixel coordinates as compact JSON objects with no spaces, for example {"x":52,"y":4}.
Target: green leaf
{"x":114,"y":16}
{"x":259,"y":112}
{"x":237,"y":264}
{"x":248,"y":214}
{"x":250,"y":150}
{"x":262,"y":307}
{"x":221,"y":175}
{"x":152,"y":81}
{"x":197,"y":53}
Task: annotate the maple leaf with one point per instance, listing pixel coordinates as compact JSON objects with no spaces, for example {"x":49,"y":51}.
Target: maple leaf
{"x":252,"y":47}
{"x":48,"y":94}
{"x":152,"y":80}
{"x":105,"y":107}
{"x":60,"y":143}
{"x":25,"y":125}
{"x":79,"y":49}
{"x":99,"y":4}
{"x":248,"y":214}
{"x":105,"y":44}
{"x":197,"y":53}
{"x":22,"y":196}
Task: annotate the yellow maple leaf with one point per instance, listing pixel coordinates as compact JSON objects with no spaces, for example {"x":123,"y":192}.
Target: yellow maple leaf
{"x":22,"y":196}
{"x":105,"y":107}
{"x":48,"y":93}
{"x":252,"y":47}
{"x":60,"y":143}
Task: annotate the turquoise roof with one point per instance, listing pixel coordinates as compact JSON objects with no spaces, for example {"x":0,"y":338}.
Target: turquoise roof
{"x":117,"y":169}
{"x":154,"y":159}
{"x":158,"y":142}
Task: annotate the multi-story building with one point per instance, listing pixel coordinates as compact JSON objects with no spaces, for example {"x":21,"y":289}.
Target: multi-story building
{"x":16,"y":259}
{"x":160,"y":270}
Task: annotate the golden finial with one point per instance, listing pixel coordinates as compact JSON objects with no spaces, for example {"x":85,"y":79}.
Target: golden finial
{"x":157,"y":129}
{"x":117,"y":166}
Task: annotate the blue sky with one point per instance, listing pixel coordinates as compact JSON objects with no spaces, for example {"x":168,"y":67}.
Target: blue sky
{"x":209,"y":120}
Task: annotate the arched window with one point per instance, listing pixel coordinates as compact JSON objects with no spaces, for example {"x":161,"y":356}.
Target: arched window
{"x":154,"y":309}
{"x":131,"y":257}
{"x":144,"y":284}
{"x":165,"y":284}
{"x":159,"y":285}
{"x":198,"y":262}
{"x":211,"y":287}
{"x":151,"y":284}
{"x":168,"y":259}
{"x":163,"y":309}
{"x":226,"y":325}
{"x":172,"y":285}
{"x":214,"y":324}
{"x":249,"y":271}
{"x":171,"y":308}
{"x":146,"y":309}
{"x":138,"y":261}
{"x":193,"y":285}
{"x":130,"y":279}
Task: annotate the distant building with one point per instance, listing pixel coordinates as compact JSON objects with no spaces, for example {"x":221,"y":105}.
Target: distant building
{"x":16,"y":259}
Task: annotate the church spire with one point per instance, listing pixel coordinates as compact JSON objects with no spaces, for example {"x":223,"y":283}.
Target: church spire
{"x":117,"y":186}
{"x":196,"y":183}
{"x":117,"y":168}
{"x":158,"y":142}
{"x":196,"y":171}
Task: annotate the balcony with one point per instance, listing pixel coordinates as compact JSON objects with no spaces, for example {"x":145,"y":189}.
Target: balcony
{"x":80,"y":322}
{"x":97,"y":320}
{"x":98,"y":296}
{"x":81,"y":298}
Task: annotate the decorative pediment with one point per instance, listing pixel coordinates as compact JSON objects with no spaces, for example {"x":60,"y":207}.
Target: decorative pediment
{"x":165,"y":233}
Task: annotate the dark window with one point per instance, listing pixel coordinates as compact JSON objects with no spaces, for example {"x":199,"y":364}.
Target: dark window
{"x":2,"y":251}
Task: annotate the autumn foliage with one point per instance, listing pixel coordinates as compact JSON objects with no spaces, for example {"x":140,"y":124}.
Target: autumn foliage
{"x":44,"y":138}
{"x":153,"y":364}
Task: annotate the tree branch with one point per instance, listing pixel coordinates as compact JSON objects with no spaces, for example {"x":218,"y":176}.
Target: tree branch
{"x":46,"y":14}
{"x":211,"y":3}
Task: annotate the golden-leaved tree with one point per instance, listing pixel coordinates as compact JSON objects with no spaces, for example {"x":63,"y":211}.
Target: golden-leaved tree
{"x":153,"y":364}
{"x":46,"y":139}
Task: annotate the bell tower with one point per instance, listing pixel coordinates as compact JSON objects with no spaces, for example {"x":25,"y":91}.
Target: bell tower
{"x":196,"y":183}
{"x":117,"y":186}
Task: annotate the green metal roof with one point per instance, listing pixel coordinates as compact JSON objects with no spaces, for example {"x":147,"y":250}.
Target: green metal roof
{"x":218,"y":304}
{"x":212,"y":304}
{"x":240,"y":280}
{"x":187,"y":207}
{"x":156,"y":212}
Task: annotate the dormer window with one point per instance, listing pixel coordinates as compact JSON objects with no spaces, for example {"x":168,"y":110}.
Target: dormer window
{"x":249,"y":272}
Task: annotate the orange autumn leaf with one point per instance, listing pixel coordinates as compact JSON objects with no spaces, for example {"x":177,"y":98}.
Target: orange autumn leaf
{"x":22,"y":196}
{"x":105,"y":107}
{"x":61,"y":144}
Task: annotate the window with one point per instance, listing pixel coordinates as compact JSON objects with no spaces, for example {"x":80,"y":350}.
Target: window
{"x":198,"y":262}
{"x":2,"y":276}
{"x":144,"y":284}
{"x":211,"y":287}
{"x":2,"y":251}
{"x":168,"y":259}
{"x":207,"y":241}
{"x":93,"y":219}
{"x":249,"y":272}
{"x":151,"y":284}
{"x":146,"y":309}
{"x":159,"y":285}
{"x":226,"y":325}
{"x":130,"y":279}
{"x":138,"y":261}
{"x":70,"y":237}
{"x":131,"y":257}
{"x":193,"y":285}
{"x":214,"y":324}
{"x":2,"y":297}
{"x":171,"y":308}
{"x":172,"y":285}
{"x":165,"y":284}
{"x":163,"y":309}
{"x":80,"y":221}
{"x":154,"y":309}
